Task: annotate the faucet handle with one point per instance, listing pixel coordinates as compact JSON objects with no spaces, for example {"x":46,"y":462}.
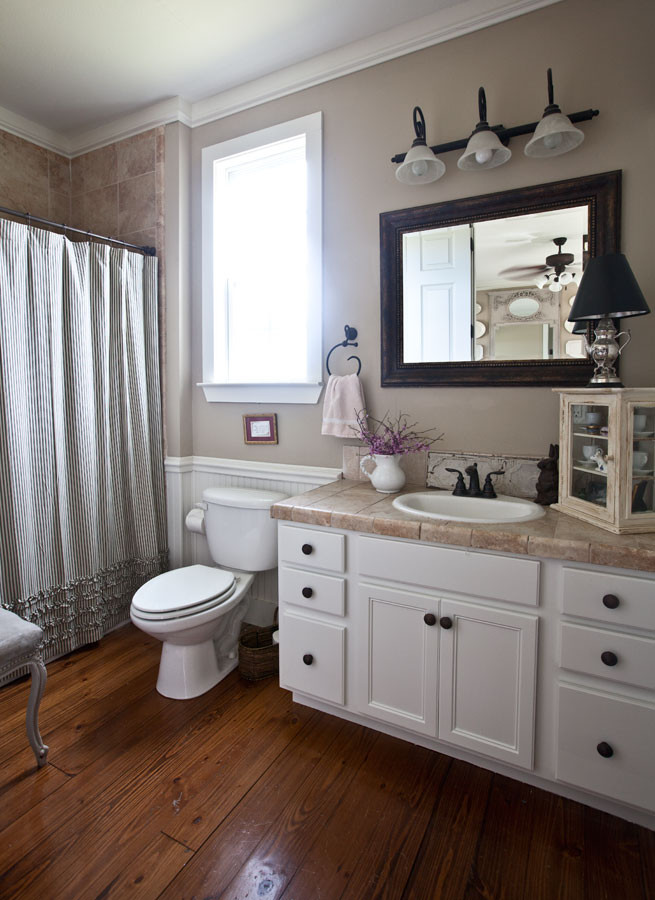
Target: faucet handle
{"x":460,"y":486}
{"x":488,"y":489}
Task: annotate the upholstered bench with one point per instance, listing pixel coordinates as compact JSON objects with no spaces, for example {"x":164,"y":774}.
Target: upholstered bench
{"x":19,"y":647}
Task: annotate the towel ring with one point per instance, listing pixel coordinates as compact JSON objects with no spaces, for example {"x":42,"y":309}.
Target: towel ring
{"x":351,"y":334}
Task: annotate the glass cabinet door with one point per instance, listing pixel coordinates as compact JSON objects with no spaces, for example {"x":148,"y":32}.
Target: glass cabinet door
{"x":589,"y":430}
{"x":641,"y":462}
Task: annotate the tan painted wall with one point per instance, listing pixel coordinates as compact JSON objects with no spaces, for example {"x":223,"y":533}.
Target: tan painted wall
{"x":601,"y":54}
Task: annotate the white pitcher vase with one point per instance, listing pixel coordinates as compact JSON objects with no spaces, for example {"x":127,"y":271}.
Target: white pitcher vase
{"x":387,"y":477}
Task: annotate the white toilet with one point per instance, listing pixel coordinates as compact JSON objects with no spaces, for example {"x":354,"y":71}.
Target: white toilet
{"x":197,"y":611}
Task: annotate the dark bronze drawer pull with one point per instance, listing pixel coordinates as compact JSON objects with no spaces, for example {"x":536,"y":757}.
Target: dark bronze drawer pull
{"x":446,"y":622}
{"x":605,"y":750}
{"x":307,"y":592}
{"x":430,"y":619}
{"x":609,"y":658}
{"x":611,"y":601}
{"x":308,"y":659}
{"x":307,"y":549}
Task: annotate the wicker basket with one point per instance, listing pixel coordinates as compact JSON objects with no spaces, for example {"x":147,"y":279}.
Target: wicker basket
{"x":258,"y":654}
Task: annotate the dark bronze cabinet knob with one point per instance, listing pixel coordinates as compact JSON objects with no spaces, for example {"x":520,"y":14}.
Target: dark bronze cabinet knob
{"x":605,"y":750}
{"x":430,"y":619}
{"x":308,"y":659}
{"x":609,"y":658}
{"x":611,"y":601}
{"x":446,"y":622}
{"x":307,"y":549}
{"x":307,"y":592}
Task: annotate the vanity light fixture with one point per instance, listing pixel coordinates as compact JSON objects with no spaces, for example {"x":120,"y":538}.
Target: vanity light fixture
{"x":555,"y":134}
{"x":420,"y":165}
{"x":484,"y":149}
{"x":608,"y":290}
{"x":487,"y":146}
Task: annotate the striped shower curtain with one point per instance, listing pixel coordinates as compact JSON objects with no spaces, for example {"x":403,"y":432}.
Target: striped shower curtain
{"x":82,"y":507}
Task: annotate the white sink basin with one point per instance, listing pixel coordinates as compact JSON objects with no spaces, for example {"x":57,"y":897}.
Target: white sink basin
{"x":441,"y":505}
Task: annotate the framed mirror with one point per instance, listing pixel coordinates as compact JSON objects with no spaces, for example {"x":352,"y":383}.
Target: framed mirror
{"x":477,"y":291}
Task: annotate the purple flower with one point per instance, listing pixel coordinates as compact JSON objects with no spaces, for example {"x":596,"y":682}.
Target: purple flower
{"x":392,"y":437}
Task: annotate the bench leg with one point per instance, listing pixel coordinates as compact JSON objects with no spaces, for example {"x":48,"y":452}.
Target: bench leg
{"x":39,"y":676}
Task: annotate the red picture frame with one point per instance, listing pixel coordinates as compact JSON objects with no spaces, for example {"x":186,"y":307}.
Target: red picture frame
{"x":260,"y":429}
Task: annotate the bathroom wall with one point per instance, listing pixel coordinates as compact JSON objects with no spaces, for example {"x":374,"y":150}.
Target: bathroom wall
{"x":34,"y":180}
{"x":118,"y":190}
{"x":601,"y":56}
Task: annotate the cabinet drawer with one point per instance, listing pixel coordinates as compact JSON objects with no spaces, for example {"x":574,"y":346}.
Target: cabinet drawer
{"x":312,"y":657}
{"x":587,"y":720}
{"x":322,"y":593}
{"x":315,"y":549}
{"x":587,"y":594}
{"x":583,"y":647}
{"x":442,"y":569}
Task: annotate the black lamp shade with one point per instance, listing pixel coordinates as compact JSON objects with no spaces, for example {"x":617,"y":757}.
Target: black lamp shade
{"x":608,"y":289}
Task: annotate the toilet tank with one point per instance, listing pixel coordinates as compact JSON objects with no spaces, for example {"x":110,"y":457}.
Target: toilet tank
{"x":239,"y":528}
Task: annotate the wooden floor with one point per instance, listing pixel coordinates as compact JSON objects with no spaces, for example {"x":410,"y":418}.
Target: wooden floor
{"x":243,"y":794}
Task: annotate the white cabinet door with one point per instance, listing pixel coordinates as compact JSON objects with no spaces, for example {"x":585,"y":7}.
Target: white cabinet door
{"x":312,"y":657}
{"x":397,"y":674}
{"x":487,"y":676}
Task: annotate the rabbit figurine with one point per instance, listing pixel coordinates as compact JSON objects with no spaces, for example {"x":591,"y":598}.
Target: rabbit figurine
{"x":548,"y":477}
{"x":600,"y":459}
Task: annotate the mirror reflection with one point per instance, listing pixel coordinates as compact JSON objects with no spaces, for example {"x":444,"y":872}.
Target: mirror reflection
{"x":499,"y":289}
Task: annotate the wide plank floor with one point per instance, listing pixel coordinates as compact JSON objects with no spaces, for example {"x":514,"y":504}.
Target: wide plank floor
{"x":243,"y":794}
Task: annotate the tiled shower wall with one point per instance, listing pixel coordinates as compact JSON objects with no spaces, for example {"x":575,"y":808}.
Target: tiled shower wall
{"x":117,"y":190}
{"x":34,"y":180}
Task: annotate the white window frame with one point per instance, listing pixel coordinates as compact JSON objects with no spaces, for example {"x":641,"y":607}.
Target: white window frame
{"x":305,"y":392}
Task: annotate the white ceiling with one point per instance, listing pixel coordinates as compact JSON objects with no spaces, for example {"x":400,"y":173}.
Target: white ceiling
{"x":74,"y":65}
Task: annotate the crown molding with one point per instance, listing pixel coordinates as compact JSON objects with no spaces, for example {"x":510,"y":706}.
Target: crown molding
{"x":174,"y":109}
{"x":444,"y":25}
{"x":427,"y":31}
{"x":33,"y":132}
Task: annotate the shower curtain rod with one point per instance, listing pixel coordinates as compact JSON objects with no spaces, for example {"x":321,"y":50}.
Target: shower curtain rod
{"x":148,"y":251}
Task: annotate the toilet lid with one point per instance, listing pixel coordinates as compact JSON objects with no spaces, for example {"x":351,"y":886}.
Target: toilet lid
{"x":184,"y":591}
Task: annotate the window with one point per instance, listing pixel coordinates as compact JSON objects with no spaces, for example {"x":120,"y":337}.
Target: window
{"x":262,"y":273}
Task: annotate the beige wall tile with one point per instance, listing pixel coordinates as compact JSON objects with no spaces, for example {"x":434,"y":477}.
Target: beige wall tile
{"x":145,"y":238}
{"x":59,"y":173}
{"x":97,"y":211}
{"x":137,"y":206}
{"x":94,"y":170}
{"x":59,"y":207}
{"x":136,"y":155}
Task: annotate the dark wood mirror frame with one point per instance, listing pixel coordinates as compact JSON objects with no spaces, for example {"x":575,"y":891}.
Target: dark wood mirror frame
{"x":602,"y":194}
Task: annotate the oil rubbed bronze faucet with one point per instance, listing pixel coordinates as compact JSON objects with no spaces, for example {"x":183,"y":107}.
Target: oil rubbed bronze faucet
{"x":473,"y":489}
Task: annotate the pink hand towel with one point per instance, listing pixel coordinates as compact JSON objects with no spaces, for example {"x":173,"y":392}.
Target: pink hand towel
{"x":344,"y":398}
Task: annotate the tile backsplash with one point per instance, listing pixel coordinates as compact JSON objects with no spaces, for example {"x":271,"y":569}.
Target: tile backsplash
{"x":519,"y":480}
{"x":413,"y":464}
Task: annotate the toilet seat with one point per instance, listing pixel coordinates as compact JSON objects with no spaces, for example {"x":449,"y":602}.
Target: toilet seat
{"x":183,"y":592}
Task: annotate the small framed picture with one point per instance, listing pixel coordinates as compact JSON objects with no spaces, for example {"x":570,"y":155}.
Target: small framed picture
{"x":260,"y":429}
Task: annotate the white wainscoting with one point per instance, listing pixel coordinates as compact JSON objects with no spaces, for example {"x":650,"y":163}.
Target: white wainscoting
{"x":188,"y":476}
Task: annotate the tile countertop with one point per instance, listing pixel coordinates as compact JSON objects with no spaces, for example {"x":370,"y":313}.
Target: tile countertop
{"x":356,"y":506}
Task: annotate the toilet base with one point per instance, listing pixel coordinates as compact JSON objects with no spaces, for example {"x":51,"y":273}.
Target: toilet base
{"x":191,"y":670}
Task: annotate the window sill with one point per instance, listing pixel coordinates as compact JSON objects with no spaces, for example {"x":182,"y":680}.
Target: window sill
{"x":261,"y":393}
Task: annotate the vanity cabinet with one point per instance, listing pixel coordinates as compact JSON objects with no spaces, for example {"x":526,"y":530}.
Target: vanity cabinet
{"x":539,"y":669}
{"x":607,"y":457}
{"x":606,"y":713}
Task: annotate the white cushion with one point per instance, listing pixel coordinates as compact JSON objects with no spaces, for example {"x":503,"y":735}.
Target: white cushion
{"x":18,"y":638}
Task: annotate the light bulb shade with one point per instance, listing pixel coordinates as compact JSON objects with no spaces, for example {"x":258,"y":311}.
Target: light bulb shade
{"x":483,"y":145}
{"x":555,"y":287}
{"x":542,"y":282}
{"x":420,"y":166}
{"x":608,"y":289}
{"x":555,"y":134}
